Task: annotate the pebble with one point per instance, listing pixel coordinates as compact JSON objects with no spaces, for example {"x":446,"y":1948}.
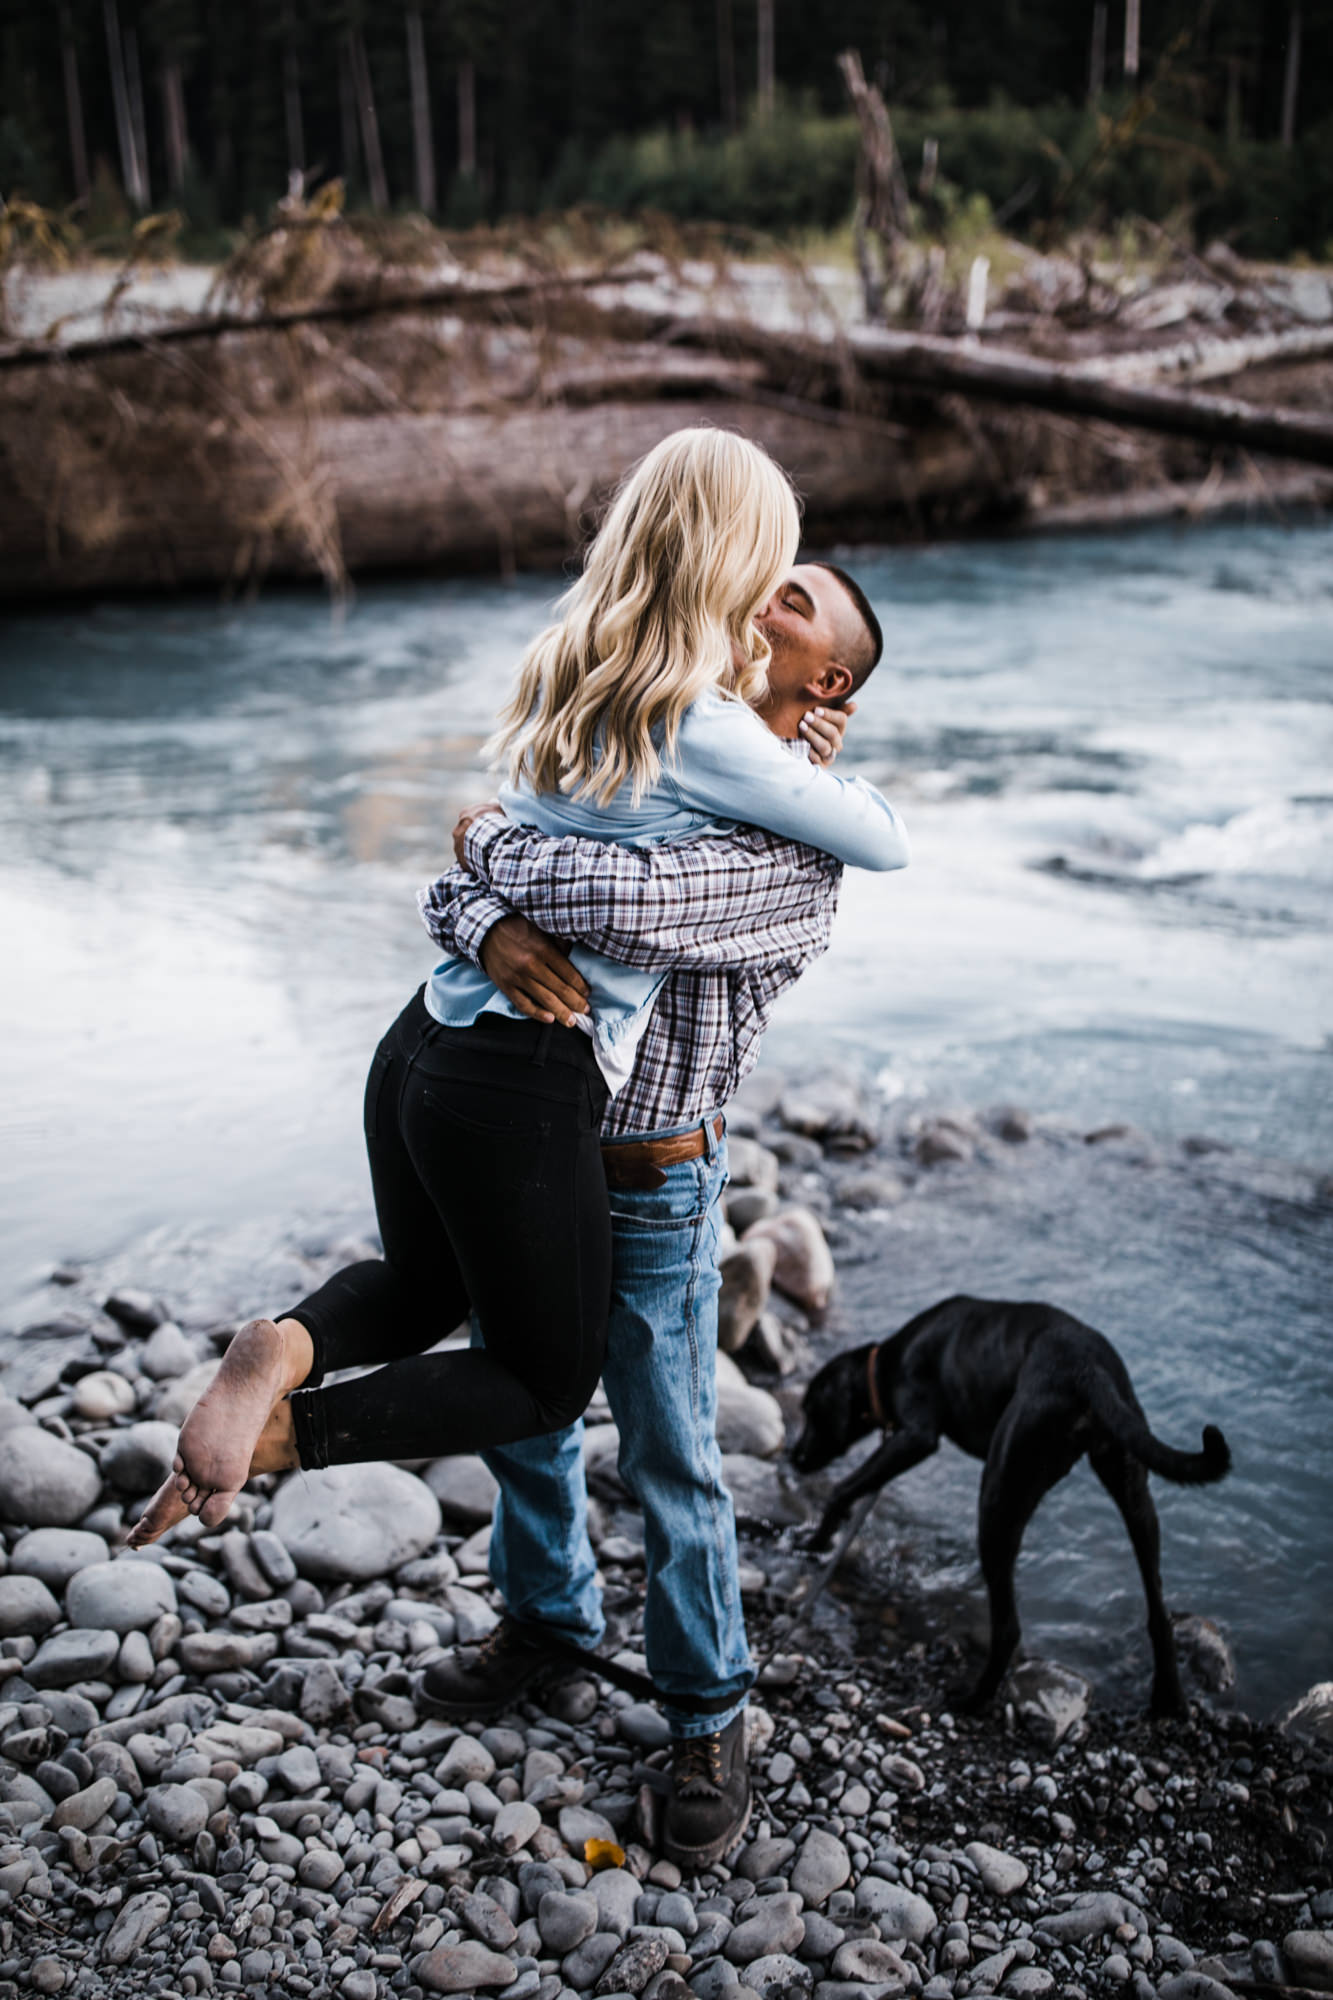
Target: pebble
{"x":125,"y":1595}
{"x":140,"y":1919}
{"x":870,"y":1963}
{"x":44,"y":1482}
{"x":103,"y":1395}
{"x":1001,"y":1873}
{"x":55,"y":1555}
{"x":804,"y":1266}
{"x":465,"y":1488}
{"x":459,"y":1968}
{"x":68,"y":1657}
{"x":899,"y":1912}
{"x":776,"y":1977}
{"x":822,"y":1866}
{"x":463,"y":1762}
{"x":27,"y":1607}
{"x":1310,"y":1957}
{"x":178,"y":1811}
{"x":138,"y":1459}
{"x":566,"y":1920}
{"x":354,"y":1522}
{"x":643,"y":1724}
{"x":633,"y":1966}
{"x":166,"y":1353}
{"x":84,"y":1808}
{"x":770,"y":1924}
{"x":514,"y":1825}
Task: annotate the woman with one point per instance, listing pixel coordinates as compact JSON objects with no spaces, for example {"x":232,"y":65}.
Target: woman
{"x":629,"y":723}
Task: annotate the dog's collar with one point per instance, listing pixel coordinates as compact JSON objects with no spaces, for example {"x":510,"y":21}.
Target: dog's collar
{"x":876,"y":1407}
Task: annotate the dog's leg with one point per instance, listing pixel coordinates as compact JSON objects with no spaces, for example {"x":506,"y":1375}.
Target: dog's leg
{"x":1028,"y":1455}
{"x":1127,"y":1483}
{"x":898,"y":1453}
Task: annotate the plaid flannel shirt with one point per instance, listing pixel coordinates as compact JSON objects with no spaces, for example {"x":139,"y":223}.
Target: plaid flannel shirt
{"x":737,"y":917}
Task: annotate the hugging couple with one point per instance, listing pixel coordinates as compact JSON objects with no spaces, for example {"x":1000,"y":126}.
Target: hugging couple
{"x":544,"y":1120}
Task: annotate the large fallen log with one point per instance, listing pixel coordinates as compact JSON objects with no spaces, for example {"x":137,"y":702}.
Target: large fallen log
{"x":929,"y":362}
{"x":484,"y":429}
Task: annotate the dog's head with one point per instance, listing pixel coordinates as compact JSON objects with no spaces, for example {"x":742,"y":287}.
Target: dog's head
{"x":837,"y":1410}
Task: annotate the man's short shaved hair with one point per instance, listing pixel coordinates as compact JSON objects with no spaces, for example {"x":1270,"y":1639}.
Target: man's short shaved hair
{"x":869,"y":650}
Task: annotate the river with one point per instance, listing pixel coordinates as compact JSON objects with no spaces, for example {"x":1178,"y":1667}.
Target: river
{"x":1115,"y":757}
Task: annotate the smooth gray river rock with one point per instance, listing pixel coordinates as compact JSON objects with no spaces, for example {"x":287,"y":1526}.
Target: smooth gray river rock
{"x":104,"y":1395}
{"x":767,"y":1924}
{"x":126,"y":1595}
{"x":822,"y":1866}
{"x":138,"y":1921}
{"x":465,"y":1489}
{"x":167,"y":1353}
{"x":899,"y":1912}
{"x":138,"y":1459}
{"x":178,"y":1811}
{"x":55,"y":1555}
{"x":26,"y":1607}
{"x":462,"y":1968}
{"x":44,"y":1482}
{"x":67,"y":1657}
{"x":355,"y":1521}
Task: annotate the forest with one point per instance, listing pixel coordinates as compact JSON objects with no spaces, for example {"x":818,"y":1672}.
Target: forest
{"x":471,"y":110}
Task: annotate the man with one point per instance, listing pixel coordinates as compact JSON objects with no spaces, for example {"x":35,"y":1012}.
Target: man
{"x":738,"y":918}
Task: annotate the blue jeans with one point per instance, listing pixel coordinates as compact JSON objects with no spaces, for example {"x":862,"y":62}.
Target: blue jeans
{"x":660,"y":1380}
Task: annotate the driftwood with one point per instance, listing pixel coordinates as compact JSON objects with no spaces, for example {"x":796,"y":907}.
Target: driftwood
{"x":482,"y":422}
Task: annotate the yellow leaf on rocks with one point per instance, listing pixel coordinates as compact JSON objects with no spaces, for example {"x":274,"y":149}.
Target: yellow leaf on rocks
{"x":603,"y":1854}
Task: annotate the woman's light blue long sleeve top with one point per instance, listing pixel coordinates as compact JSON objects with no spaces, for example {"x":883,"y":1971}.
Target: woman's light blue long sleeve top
{"x":728,"y":770}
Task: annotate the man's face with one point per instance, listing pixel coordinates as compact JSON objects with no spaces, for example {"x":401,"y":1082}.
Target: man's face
{"x":806,"y":623}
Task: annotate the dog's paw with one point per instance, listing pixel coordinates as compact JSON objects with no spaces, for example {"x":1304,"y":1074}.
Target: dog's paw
{"x":973,"y":1699}
{"x":823,"y":1535}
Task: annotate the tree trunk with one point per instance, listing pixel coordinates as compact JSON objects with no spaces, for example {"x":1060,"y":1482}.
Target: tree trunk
{"x":423,"y":144}
{"x":291,"y":100}
{"x":765,"y":64}
{"x":1097,"y":57}
{"x":135,"y":193}
{"x":1131,"y":40}
{"x":138,"y":123}
{"x":78,"y":144}
{"x":883,"y":209}
{"x":1291,"y":82}
{"x":173,"y":124}
{"x":351,"y":152}
{"x":467,"y":118}
{"x":370,"y":131}
{"x":726,"y":66}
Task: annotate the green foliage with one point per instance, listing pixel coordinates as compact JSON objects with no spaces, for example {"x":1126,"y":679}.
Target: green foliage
{"x":789,"y":174}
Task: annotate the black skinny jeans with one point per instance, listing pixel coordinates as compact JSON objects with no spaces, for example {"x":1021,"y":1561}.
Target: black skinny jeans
{"x":487,"y":1171}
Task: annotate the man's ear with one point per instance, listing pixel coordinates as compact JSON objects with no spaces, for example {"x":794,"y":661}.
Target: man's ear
{"x":831,"y":683}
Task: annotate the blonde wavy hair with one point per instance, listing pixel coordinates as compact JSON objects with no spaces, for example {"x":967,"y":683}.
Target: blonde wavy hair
{"x":697,"y":540}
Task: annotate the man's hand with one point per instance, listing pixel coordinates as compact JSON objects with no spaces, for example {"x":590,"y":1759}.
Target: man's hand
{"x":823,"y":729}
{"x":532,"y":971}
{"x":464,"y":821}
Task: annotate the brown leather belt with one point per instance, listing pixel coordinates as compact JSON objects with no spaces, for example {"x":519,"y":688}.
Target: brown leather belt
{"x":638,"y":1163}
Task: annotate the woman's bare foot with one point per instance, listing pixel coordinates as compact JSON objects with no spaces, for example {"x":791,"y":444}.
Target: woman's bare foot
{"x":164,"y":1510}
{"x":274,"y":1452}
{"x":217,"y":1442}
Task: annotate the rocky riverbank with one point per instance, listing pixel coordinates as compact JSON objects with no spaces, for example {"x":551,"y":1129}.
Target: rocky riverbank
{"x":213,"y":1774}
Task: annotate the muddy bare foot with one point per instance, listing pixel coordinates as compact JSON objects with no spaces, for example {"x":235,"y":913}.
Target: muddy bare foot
{"x":163,"y":1511}
{"x":218,"y":1438}
{"x":275,"y":1452}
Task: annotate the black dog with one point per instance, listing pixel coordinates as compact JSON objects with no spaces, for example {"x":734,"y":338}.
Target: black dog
{"x":1028,"y":1389}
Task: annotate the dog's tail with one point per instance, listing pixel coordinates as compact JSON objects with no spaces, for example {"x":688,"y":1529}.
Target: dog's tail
{"x":1129,"y":1427}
